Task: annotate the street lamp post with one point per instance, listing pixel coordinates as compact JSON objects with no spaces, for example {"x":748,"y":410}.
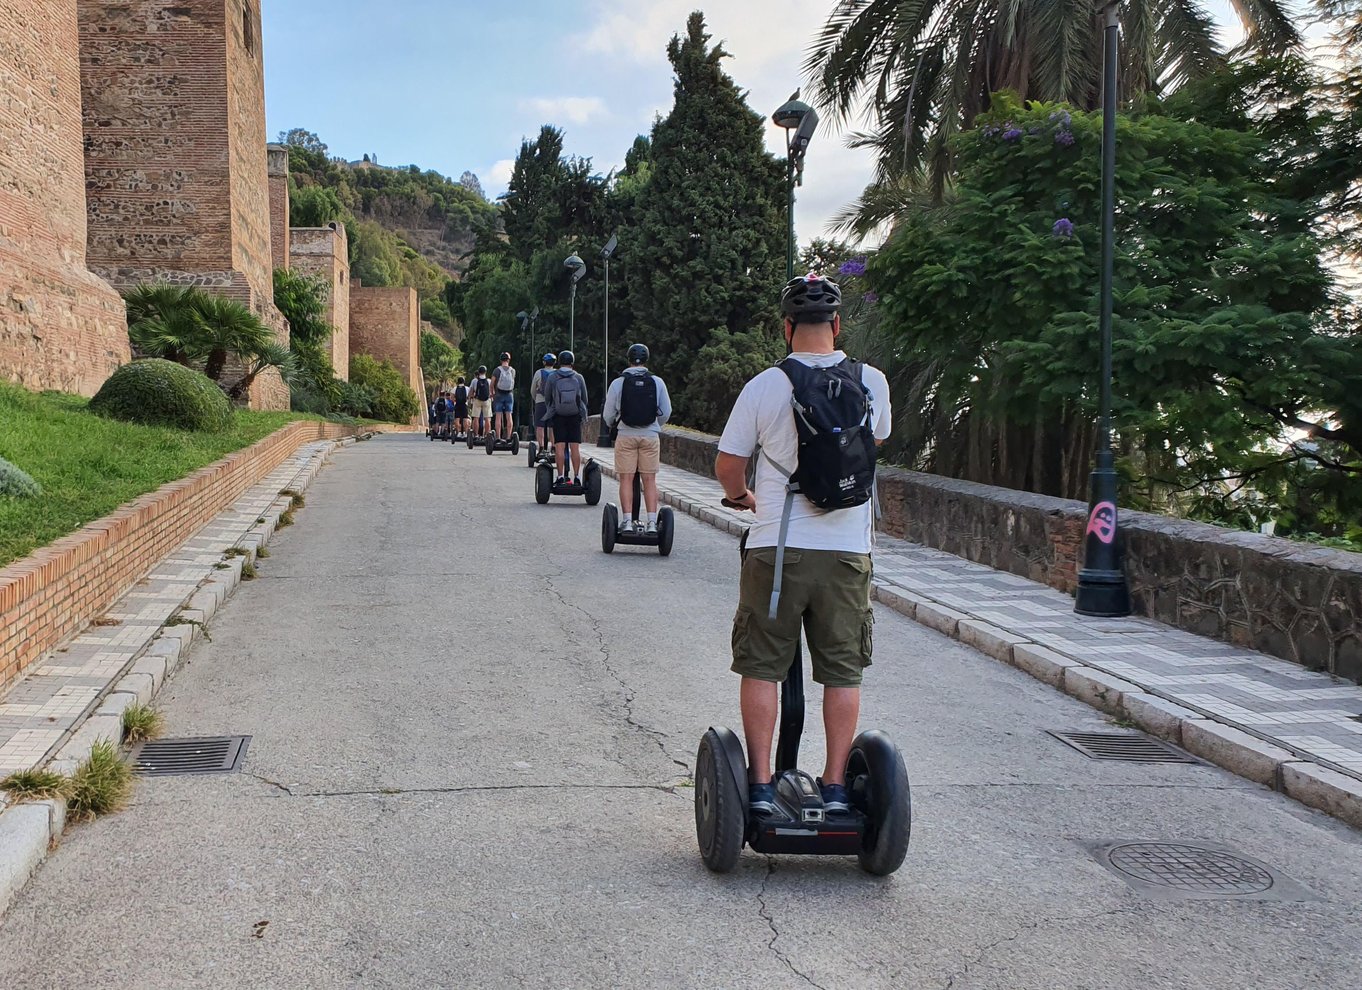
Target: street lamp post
{"x":577,"y":266}
{"x":603,"y":437}
{"x":1102,"y":589}
{"x":799,"y":121}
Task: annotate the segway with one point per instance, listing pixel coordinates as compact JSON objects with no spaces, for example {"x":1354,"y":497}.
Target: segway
{"x":545,"y":485}
{"x":610,"y":526}
{"x":495,"y":443}
{"x":539,"y":455}
{"x":876,"y":829}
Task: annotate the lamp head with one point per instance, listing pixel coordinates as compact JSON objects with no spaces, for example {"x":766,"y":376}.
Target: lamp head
{"x":577,"y":266}
{"x":610,"y":246}
{"x":789,"y":114}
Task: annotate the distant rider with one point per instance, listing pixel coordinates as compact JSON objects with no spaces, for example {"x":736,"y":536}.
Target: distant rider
{"x":503,"y":397}
{"x":639,"y":404}
{"x":541,"y":415}
{"x":481,"y":412}
{"x":460,"y":396}
{"x":565,"y":398}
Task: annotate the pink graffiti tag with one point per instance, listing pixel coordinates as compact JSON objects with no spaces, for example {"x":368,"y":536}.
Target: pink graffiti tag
{"x":1102,"y":522}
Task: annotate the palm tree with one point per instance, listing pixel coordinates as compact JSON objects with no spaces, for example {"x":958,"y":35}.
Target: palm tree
{"x":922,"y":70}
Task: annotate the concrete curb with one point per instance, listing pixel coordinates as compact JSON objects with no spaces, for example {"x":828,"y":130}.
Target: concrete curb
{"x":1227,"y":746}
{"x":32,"y":829}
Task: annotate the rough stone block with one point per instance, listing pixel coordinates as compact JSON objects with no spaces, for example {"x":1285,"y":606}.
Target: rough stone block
{"x":25,"y":836}
{"x":1158,"y":717}
{"x":896,"y":598}
{"x":139,"y":685}
{"x":1043,"y":664}
{"x":1102,"y":691}
{"x":94,"y":728}
{"x":990,"y":639}
{"x":939,"y":617}
{"x":115,"y":703}
{"x":1324,"y":789}
{"x":1236,"y":751}
{"x":56,"y":817}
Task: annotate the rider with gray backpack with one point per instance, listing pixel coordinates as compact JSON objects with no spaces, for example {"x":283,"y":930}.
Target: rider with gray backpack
{"x":565,"y":401}
{"x":816,"y":419}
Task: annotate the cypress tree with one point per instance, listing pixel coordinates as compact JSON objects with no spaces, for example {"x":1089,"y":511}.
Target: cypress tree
{"x":707,"y":245}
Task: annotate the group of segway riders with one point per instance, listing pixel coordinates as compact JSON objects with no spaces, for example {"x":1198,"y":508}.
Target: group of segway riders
{"x":813,"y":423}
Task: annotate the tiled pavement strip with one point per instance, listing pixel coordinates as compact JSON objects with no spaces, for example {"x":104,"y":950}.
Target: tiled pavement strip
{"x":40,"y":714}
{"x":1312,"y":716}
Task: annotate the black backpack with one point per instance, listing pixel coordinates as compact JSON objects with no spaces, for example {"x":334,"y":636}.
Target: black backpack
{"x":484,"y":389}
{"x":836,"y":468}
{"x":638,"y":400}
{"x":441,"y":405}
{"x":461,"y":395}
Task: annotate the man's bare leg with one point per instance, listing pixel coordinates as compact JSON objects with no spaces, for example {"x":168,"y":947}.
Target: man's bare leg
{"x":760,"y":702}
{"x":841,"y":709}
{"x":626,"y":496}
{"x":650,"y":493}
{"x":576,"y":460}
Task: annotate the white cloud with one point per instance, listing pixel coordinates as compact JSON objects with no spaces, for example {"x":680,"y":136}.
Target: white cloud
{"x":497,"y":177}
{"x":574,"y":109}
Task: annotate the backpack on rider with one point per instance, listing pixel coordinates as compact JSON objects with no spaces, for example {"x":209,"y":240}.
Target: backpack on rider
{"x":638,"y":400}
{"x":567,"y":393}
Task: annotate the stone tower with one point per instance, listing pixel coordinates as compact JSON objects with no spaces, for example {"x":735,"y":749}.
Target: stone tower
{"x":175,"y":151}
{"x":324,"y":253}
{"x":60,"y":326}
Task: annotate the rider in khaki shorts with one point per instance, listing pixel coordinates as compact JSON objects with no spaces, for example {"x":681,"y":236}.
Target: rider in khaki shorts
{"x":638,"y":403}
{"x":826,"y":573}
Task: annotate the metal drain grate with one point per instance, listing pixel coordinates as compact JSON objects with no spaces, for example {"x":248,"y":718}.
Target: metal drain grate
{"x":1124,"y":747}
{"x":198,"y":755}
{"x":1182,"y":870}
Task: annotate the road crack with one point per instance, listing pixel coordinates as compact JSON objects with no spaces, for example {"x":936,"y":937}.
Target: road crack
{"x":982,"y":952}
{"x":770,"y":920}
{"x":672,"y":788}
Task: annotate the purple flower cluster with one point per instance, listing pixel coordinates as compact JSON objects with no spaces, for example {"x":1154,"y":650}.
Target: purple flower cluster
{"x":856,"y":266}
{"x":1012,"y":134}
{"x":870,"y":297}
{"x":1064,"y":227}
{"x":1064,"y":138}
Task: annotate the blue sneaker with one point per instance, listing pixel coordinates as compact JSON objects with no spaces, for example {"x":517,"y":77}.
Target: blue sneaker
{"x":761,"y":799}
{"x":835,"y":800}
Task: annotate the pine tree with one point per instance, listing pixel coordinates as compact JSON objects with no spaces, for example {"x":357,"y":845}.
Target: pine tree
{"x":707,"y":245}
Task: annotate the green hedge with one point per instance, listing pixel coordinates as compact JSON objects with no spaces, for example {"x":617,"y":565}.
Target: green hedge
{"x":163,"y":393}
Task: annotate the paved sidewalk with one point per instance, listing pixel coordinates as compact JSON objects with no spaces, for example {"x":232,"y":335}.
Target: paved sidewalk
{"x":44,"y":709}
{"x":1310,"y":716}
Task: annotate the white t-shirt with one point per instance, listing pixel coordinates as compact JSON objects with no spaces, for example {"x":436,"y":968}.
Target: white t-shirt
{"x":762,"y":417}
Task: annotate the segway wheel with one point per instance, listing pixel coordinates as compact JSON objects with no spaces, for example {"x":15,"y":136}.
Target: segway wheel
{"x":533,"y":450}
{"x":719,"y":814}
{"x":593,"y":483}
{"x":515,"y":444}
{"x":879,"y":788}
{"x":543,"y":483}
{"x":666,"y":528}
{"x":491,"y":443}
{"x":470,"y":441}
{"x":610,"y":526}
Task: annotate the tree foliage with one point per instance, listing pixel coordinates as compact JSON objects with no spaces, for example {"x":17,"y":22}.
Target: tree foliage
{"x":1232,"y":360}
{"x":390,"y":397}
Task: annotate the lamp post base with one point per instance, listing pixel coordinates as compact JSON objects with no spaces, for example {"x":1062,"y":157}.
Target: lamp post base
{"x":1102,"y":594}
{"x":1102,"y":589}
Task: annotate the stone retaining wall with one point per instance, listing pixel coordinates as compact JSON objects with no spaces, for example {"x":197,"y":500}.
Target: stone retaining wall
{"x":54,"y":592}
{"x":1291,"y":600}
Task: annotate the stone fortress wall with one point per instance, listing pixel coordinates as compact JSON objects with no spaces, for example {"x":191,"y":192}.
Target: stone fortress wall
{"x":61,"y":327}
{"x":324,"y":253}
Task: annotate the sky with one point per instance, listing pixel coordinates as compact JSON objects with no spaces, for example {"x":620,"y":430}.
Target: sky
{"x":451,"y":85}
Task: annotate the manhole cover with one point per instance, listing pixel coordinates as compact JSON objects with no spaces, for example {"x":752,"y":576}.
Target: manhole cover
{"x":198,"y":755}
{"x":1195,"y":870}
{"x":1125,"y":747}
{"x":1175,"y":864}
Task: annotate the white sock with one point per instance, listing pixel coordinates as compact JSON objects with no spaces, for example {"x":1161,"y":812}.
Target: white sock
{"x":652,"y":517}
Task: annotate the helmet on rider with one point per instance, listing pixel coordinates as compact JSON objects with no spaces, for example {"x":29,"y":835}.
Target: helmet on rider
{"x":549,"y":359}
{"x":638,"y":354}
{"x":482,"y":369}
{"x":566,"y":359}
{"x":811,"y":299}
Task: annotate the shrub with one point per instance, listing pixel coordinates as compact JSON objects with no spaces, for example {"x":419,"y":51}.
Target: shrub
{"x":163,"y":393}
{"x":394,"y":400}
{"x":17,"y":483}
{"x":141,"y":722}
{"x":722,"y":367}
{"x":355,"y":400}
{"x":100,"y":785}
{"x":35,"y":785}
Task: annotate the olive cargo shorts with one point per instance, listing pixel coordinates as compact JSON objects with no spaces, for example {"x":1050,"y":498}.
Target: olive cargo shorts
{"x":825,"y":591}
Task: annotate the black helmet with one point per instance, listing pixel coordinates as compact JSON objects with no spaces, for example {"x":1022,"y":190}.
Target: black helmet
{"x":638,"y":353}
{"x":566,"y":358}
{"x":504,"y":356}
{"x":550,"y":358}
{"x":482,"y":369}
{"x":811,"y":299}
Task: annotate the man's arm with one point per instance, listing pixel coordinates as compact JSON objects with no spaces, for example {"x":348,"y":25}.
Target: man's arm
{"x":611,"y":411}
{"x":731,"y":470}
{"x":664,"y":403}
{"x":582,"y":397}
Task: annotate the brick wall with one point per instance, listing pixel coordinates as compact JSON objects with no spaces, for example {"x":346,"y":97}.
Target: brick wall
{"x":50,"y":595}
{"x":385,"y":324}
{"x":175,"y":161}
{"x":279,"y":233}
{"x":324,"y":252}
{"x":60,"y":326}
{"x":1291,"y":600}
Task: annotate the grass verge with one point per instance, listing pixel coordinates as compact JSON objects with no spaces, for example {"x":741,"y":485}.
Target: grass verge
{"x":142,"y":722}
{"x":101,"y":785}
{"x":89,"y":466}
{"x":35,"y":785}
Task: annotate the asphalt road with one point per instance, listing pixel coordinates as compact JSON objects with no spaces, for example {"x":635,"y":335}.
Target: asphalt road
{"x":471,"y":741}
